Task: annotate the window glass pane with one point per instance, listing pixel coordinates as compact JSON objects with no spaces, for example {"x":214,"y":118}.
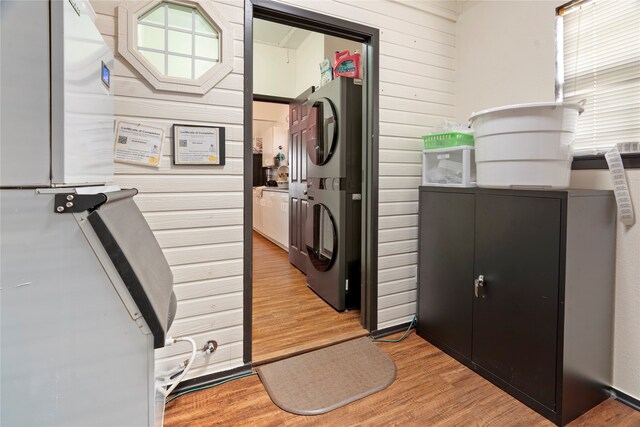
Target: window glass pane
{"x":179,"y":42}
{"x":203,"y":26}
{"x":156,"y":59}
{"x":180,"y":17}
{"x":207,"y":47}
{"x":202,"y":67}
{"x":179,"y":66}
{"x":150,"y":37}
{"x":601,"y":63}
{"x":169,"y":35}
{"x":156,"y":16}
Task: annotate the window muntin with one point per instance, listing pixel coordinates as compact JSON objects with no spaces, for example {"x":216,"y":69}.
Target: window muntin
{"x":599,"y":61}
{"x":178,"y":41}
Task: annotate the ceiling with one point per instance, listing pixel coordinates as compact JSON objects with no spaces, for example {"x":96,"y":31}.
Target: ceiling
{"x":279,"y":35}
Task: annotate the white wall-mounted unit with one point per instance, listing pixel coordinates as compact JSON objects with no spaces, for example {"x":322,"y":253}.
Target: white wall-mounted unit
{"x":82,"y":307}
{"x":56,"y":101}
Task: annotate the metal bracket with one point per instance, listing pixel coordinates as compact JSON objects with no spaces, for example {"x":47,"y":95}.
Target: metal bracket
{"x":74,"y":203}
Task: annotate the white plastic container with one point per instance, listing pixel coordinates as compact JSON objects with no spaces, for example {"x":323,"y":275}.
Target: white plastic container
{"x":449,"y":167}
{"x":525,"y":145}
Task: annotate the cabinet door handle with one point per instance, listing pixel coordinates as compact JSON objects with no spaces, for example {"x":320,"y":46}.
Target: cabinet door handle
{"x":478,"y":283}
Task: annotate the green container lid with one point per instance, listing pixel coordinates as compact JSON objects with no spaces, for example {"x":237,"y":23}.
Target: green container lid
{"x":447,"y":140}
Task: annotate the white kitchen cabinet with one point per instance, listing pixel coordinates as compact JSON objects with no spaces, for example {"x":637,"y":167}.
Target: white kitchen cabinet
{"x":272,"y":136}
{"x":257,"y":210}
{"x":271,"y":216}
{"x":268,"y":217}
{"x":281,"y":208}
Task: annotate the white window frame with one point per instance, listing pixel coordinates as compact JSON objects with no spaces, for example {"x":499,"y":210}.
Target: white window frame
{"x":128,"y":16}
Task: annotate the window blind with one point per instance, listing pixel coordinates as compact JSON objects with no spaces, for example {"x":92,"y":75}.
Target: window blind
{"x":599,"y":61}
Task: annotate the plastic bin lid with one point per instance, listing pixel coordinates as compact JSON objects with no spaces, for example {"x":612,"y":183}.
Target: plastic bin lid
{"x":579,"y":107}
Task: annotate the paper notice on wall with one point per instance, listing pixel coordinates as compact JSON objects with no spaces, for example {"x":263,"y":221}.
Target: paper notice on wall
{"x":620,"y":186}
{"x":138,"y":144}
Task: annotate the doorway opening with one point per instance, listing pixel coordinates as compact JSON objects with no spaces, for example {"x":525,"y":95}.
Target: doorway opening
{"x":310,"y":182}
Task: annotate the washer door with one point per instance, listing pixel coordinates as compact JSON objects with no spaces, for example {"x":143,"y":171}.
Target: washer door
{"x":323,"y":131}
{"x":324,"y":251}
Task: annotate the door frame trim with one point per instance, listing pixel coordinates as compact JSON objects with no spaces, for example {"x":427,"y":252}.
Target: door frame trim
{"x":313,"y":21}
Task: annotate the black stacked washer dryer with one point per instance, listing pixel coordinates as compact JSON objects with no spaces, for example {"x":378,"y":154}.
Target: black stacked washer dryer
{"x":333,"y":227}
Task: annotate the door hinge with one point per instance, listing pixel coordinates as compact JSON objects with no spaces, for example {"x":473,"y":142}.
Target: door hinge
{"x":346,"y":283}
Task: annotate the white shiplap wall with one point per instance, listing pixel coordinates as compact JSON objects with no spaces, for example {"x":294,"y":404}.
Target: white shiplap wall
{"x":417,"y":92}
{"x":195,"y":212}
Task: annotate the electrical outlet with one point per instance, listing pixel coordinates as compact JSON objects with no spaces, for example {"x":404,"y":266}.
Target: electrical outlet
{"x":210,"y":347}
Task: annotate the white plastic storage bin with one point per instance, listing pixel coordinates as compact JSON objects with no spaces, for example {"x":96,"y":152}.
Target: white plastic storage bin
{"x":449,"y":167}
{"x":525,"y":145}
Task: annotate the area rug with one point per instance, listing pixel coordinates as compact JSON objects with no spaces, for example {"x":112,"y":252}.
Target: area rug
{"x":322,"y":380}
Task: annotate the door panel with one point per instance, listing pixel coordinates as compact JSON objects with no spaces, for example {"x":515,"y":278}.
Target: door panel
{"x":446,"y":269}
{"x":515,"y":316}
{"x":304,"y":212}
{"x":293,"y":156}
{"x":298,"y":123}
{"x":293,"y":219}
{"x":304,"y":133}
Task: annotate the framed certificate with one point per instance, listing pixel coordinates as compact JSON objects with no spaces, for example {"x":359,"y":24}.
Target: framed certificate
{"x":138,"y":144}
{"x":198,"y":145}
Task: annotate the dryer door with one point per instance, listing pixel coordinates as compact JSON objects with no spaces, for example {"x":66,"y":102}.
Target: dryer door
{"x":324,"y":239}
{"x":323,"y":131}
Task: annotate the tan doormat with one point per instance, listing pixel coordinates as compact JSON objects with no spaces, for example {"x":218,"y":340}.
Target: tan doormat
{"x":322,"y":380}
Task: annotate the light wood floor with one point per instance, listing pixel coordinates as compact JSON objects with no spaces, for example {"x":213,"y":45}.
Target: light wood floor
{"x":431,"y":389}
{"x":288,"y":318}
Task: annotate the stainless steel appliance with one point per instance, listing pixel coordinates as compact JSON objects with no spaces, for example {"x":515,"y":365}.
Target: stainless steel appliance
{"x":86,"y":294}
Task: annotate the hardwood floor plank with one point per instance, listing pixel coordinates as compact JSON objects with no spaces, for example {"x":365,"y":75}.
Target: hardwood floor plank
{"x":431,"y":389}
{"x":288,"y":318}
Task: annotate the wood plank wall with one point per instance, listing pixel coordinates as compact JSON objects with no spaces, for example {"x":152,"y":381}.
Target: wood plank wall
{"x":196,"y":212}
{"x":417,"y":92}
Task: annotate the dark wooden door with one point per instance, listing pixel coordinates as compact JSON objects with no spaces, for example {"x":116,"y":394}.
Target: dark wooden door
{"x":445,"y":295}
{"x":298,"y":202}
{"x":515,"y":315}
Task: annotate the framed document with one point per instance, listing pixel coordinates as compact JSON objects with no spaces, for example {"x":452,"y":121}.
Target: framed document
{"x":138,"y":144}
{"x":198,"y":145}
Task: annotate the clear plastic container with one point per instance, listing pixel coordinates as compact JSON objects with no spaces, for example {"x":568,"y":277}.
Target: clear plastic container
{"x":449,"y":167}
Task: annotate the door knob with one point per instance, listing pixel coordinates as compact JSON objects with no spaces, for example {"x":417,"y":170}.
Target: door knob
{"x":478,"y":283}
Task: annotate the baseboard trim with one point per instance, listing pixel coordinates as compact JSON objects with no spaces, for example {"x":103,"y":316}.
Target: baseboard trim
{"x":626,"y":399}
{"x":380,"y":333}
{"x":210,"y":379}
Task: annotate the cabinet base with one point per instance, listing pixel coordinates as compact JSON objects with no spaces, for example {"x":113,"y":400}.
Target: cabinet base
{"x":550,"y":414}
